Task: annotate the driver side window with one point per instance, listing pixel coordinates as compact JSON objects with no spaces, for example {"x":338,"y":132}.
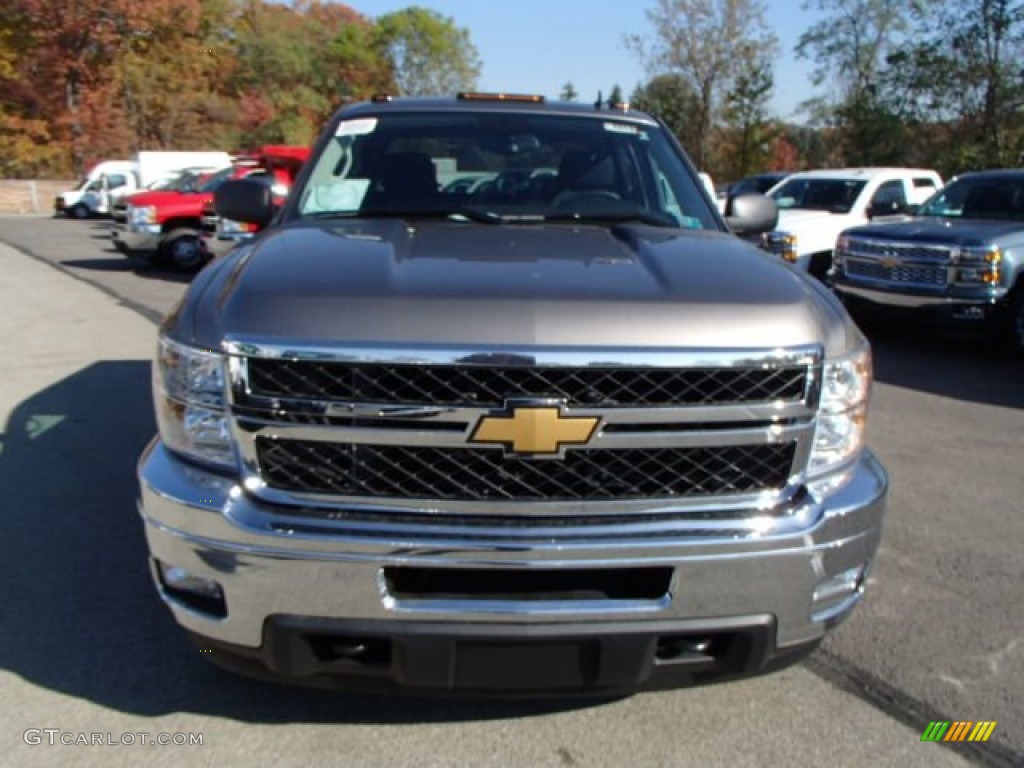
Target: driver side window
{"x":889,"y":194}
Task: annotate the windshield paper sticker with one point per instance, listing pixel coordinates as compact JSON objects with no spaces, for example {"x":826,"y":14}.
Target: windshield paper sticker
{"x":621,"y":128}
{"x":359,"y":127}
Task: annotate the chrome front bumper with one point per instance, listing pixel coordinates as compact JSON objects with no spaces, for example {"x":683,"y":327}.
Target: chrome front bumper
{"x":908,"y":299}
{"x":272,"y":564}
{"x":136,"y":237}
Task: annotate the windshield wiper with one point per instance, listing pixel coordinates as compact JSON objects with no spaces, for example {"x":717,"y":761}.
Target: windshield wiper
{"x":622,"y":217}
{"x":472,"y":214}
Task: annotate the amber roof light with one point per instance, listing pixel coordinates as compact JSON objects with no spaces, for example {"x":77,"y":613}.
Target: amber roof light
{"x":529,"y":98}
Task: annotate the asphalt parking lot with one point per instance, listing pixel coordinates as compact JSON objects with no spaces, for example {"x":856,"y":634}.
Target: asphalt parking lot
{"x":85,"y":645}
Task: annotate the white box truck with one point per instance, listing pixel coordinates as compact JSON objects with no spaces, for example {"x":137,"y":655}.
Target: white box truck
{"x":119,"y":178}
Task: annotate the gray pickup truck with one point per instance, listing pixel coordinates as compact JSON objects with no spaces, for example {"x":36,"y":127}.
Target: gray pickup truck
{"x":959,"y":260}
{"x":497,"y":404}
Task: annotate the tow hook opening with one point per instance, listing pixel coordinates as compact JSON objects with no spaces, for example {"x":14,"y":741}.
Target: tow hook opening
{"x":196,"y":593}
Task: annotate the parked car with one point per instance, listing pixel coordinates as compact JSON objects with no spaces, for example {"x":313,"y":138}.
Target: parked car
{"x":758,"y":184}
{"x":564,"y":433}
{"x":960,"y":259}
{"x":180,"y":181}
{"x":111,"y":179}
{"x":165,"y":225}
{"x":815,"y":206}
{"x":278,"y":168}
{"x":106,"y":176}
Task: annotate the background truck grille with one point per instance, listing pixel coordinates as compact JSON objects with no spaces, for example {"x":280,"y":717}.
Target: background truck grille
{"x":304,"y":466}
{"x":492,"y":386}
{"x":901,"y":273}
{"x":888,"y":248}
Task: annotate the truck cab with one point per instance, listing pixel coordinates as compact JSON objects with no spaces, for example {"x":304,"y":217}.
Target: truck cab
{"x":958,"y":262}
{"x":815,"y":206}
{"x":278,"y":167}
{"x":165,"y":225}
{"x":91,"y":196}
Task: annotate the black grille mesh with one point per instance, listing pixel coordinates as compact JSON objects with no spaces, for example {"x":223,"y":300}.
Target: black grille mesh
{"x":913,"y":274}
{"x":937,"y":253}
{"x":483,"y":474}
{"x":492,"y":386}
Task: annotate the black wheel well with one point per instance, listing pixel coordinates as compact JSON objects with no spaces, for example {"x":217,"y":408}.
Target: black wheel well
{"x":184,"y":222}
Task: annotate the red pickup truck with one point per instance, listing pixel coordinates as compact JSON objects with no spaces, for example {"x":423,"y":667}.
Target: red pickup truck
{"x":164,"y":225}
{"x":279,"y":168}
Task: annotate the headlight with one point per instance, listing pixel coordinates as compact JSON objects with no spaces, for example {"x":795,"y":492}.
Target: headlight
{"x":188,"y":387}
{"x":780,"y":243}
{"x":229,"y":227}
{"x":979,"y":265}
{"x":145,"y":214}
{"x":842,"y":412}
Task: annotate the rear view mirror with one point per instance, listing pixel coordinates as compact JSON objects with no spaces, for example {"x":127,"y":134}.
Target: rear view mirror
{"x":748,"y":215}
{"x":245,"y":200}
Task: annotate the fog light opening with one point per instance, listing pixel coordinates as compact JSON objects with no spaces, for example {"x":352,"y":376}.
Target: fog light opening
{"x":194,"y":592}
{"x":969,"y":313}
{"x":836,"y":594}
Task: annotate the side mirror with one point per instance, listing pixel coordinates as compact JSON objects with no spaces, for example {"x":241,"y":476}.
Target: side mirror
{"x":749,"y":215}
{"x":245,"y":200}
{"x":891,"y":208}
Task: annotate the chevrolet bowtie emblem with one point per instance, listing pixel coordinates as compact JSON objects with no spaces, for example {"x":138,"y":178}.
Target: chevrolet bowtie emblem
{"x":531,"y":429}
{"x":889,"y":262}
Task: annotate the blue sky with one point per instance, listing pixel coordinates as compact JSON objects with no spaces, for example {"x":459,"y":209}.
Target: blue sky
{"x":535,"y":46}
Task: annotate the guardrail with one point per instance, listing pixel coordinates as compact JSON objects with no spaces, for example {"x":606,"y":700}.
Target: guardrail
{"x":30,"y":195}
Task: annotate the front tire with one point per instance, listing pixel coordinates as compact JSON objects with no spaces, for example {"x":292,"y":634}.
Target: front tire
{"x":181,"y":249}
{"x":78,"y":211}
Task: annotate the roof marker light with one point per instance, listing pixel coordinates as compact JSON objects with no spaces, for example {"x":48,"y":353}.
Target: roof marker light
{"x":529,"y":98}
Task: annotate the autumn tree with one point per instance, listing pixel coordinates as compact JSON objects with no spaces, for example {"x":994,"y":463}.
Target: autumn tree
{"x":168,"y":75}
{"x":431,"y":56}
{"x":296,"y":64}
{"x":706,"y":42}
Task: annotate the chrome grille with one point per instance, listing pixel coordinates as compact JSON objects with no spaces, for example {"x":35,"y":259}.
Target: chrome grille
{"x":491,"y":386}
{"x":901,"y":273}
{"x":467,"y":474}
{"x":903,"y":251}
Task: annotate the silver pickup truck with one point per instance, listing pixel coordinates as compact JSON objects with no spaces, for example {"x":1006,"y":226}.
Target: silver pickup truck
{"x":959,"y":261}
{"x":497,"y":404}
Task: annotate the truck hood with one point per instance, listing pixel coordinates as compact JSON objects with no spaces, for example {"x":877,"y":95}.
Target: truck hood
{"x":931,"y":229}
{"x":394,"y":282}
{"x":161,"y":197}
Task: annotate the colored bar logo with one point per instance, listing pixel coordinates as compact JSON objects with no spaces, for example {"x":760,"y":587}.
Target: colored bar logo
{"x":958,"y":730}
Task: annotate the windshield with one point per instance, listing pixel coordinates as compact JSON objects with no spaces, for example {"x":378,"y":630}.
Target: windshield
{"x":496,"y":167}
{"x":833,"y":195}
{"x":980,"y":197}
{"x":212,"y":182}
{"x":755,"y":185}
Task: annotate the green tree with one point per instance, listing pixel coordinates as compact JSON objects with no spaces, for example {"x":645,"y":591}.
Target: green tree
{"x":615,"y":96}
{"x":850,"y":48}
{"x":962,"y":76}
{"x":431,"y":56}
{"x":748,"y":132}
{"x":569,"y":92}
{"x":705,"y":42}
{"x":672,"y":99}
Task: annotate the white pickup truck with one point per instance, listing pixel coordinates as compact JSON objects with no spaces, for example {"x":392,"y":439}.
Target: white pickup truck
{"x":113,"y":180}
{"x":815,"y":206}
